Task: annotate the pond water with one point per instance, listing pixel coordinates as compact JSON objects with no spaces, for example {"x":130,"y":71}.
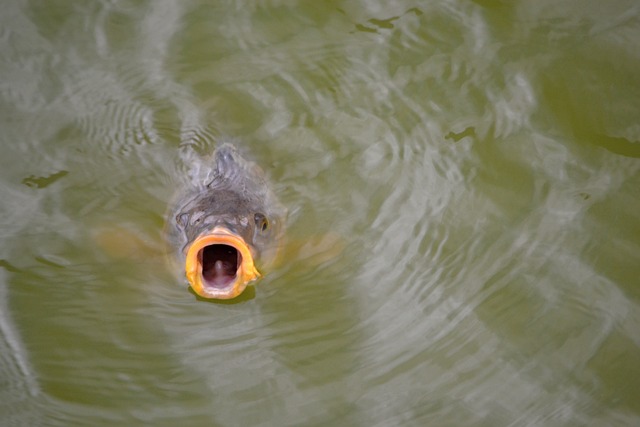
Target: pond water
{"x":462,"y":180}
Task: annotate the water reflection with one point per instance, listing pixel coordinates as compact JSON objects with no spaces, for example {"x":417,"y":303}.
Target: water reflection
{"x":462,"y":186}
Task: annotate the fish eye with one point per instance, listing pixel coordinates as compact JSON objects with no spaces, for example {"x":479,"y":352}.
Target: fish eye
{"x":182,"y":219}
{"x":261,"y":222}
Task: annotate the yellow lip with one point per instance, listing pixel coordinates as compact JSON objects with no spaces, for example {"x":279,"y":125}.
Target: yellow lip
{"x":245,"y":273}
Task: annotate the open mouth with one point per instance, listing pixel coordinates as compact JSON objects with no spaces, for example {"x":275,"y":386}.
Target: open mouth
{"x":219,"y":265}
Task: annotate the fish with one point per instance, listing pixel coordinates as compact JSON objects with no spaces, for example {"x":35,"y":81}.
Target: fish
{"x":227,"y":225}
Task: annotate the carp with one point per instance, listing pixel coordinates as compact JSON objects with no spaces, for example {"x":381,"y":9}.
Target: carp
{"x":227,"y":225}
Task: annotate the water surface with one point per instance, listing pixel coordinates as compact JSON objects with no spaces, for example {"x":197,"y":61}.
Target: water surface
{"x":463,"y":178}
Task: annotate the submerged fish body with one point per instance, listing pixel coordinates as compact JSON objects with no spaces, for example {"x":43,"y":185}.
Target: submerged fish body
{"x":227,"y":226}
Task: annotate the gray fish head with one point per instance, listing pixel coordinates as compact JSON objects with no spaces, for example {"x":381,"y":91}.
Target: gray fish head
{"x":224,"y":250}
{"x":231,"y":228}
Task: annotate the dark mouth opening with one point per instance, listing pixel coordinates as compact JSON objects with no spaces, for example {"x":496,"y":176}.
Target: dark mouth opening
{"x":219,"y":265}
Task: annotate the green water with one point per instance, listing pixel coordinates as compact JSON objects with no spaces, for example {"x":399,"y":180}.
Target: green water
{"x":475,"y":164}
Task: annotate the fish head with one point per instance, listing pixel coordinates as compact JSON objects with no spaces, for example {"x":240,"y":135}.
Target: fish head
{"x":228,"y":238}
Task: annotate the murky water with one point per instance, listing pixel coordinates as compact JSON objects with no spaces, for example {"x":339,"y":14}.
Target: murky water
{"x":463,"y":177}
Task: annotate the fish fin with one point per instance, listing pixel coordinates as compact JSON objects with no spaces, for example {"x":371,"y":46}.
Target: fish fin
{"x":120,"y":242}
{"x":231,"y":169}
{"x":197,"y":169}
{"x":315,"y":250}
{"x":226,"y":161}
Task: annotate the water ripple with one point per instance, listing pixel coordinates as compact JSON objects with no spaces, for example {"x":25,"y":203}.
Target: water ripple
{"x":461,"y":249}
